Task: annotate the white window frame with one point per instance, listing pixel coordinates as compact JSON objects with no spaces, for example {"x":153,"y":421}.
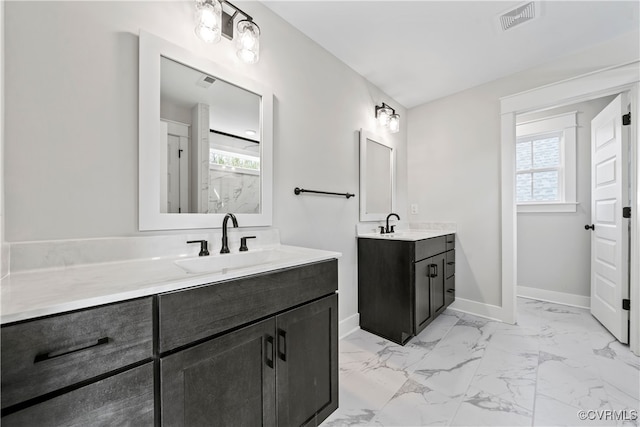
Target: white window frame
{"x":566,"y":125}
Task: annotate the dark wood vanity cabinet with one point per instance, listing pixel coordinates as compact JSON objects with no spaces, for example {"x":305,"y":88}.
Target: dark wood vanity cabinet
{"x":278,"y":365}
{"x":88,"y":367}
{"x":257,"y":350}
{"x":280,"y":371}
{"x":404,"y":285}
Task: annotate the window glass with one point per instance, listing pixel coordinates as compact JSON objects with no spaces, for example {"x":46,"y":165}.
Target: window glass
{"x":546,"y":152}
{"x":545,"y":186}
{"x":523,"y":155}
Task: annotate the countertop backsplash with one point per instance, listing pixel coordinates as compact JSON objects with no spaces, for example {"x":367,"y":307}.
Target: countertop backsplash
{"x":27,"y":256}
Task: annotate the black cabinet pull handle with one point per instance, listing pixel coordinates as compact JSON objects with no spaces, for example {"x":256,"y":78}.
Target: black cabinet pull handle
{"x":53,"y":354}
{"x":451,"y":263}
{"x":269,"y":353}
{"x":451,"y":290}
{"x":282,"y":339}
{"x":587,"y":227}
{"x":433,"y":270}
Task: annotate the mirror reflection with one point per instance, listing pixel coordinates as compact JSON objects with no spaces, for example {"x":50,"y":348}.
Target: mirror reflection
{"x":210,"y":136}
{"x":377,"y":177}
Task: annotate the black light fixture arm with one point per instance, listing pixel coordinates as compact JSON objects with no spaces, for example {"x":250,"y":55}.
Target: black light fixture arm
{"x":385,"y":105}
{"x":237,"y":10}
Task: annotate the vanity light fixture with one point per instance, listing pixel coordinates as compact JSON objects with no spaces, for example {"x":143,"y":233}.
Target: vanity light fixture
{"x":388,"y":118}
{"x":209,"y":20}
{"x":212,"y":22}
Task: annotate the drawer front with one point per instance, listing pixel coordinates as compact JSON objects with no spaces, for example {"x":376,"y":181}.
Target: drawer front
{"x":193,"y":314}
{"x":451,"y":241}
{"x":449,"y":290}
{"x":44,"y":355}
{"x":450,"y":264}
{"x":125,"y":399}
{"x":429,"y":247}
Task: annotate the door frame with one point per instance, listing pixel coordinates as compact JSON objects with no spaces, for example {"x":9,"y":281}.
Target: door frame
{"x":605,"y":82}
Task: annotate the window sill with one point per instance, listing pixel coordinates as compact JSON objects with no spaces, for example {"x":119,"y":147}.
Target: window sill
{"x":564,"y":207}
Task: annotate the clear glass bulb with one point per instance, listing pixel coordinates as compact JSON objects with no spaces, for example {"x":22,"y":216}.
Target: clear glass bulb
{"x":394,"y":123}
{"x":248,"y":41}
{"x":209,"y":20}
{"x":384,"y":114}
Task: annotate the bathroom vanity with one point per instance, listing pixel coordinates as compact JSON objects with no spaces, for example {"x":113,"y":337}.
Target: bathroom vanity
{"x":253,"y":346}
{"x":405,"y":280}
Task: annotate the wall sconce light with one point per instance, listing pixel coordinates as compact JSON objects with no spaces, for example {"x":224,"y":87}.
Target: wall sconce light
{"x":387,"y":117}
{"x":212,"y":22}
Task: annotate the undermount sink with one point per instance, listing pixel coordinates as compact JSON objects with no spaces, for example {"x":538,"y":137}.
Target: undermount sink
{"x":221,"y":263}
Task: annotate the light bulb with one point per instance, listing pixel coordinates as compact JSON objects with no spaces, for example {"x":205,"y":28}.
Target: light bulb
{"x":248,"y":41}
{"x":394,"y":123}
{"x":208,"y":20}
{"x":383,"y":115}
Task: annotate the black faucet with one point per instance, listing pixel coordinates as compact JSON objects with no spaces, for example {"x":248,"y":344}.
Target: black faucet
{"x":225,"y":241}
{"x":389,"y":229}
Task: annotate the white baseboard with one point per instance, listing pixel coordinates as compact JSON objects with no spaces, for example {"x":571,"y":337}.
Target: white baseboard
{"x":480,"y":309}
{"x":553,"y":296}
{"x":348,"y":325}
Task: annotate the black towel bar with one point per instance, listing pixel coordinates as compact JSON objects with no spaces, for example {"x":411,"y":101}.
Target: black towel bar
{"x":299,"y":190}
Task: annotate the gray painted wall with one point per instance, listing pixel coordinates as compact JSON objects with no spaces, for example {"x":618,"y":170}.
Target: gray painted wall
{"x":554,"y":249}
{"x":454,"y":161}
{"x":72,"y":123}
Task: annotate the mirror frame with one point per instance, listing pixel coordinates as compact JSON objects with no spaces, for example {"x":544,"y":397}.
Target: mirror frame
{"x":375,"y":216}
{"x":149,"y":216}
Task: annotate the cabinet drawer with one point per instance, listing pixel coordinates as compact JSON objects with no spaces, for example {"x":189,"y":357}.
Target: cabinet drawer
{"x":449,"y":290}
{"x":450,"y":264}
{"x":430,"y":247}
{"x":46,"y":354}
{"x":450,"y":241}
{"x":125,"y":399}
{"x":197,"y":313}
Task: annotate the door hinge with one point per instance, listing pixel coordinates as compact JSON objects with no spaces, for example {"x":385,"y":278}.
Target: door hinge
{"x":626,"y":304}
{"x":626,"y":212}
{"x":626,"y":119}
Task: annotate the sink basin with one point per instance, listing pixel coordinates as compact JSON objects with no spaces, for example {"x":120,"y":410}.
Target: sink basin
{"x":221,"y":263}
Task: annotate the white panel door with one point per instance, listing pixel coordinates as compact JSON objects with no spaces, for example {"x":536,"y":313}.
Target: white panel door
{"x":609,"y":239}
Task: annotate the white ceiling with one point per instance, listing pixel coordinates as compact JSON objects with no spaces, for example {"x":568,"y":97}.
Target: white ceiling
{"x":417,"y":51}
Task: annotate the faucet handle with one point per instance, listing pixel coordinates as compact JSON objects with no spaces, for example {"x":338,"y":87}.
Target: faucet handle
{"x":392,"y":229}
{"x":204,"y":249}
{"x":381,"y":229}
{"x":243,"y":243}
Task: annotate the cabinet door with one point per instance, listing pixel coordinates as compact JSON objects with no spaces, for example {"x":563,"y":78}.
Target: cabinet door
{"x":227,"y":381}
{"x":307,"y":363}
{"x":438,"y":263}
{"x":125,"y":399}
{"x":423,"y":270}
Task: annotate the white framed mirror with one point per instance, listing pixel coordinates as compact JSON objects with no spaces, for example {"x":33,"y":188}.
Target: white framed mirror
{"x":377,"y":177}
{"x":205,"y":142}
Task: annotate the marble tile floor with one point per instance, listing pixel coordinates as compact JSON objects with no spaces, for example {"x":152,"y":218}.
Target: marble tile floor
{"x":464,"y":370}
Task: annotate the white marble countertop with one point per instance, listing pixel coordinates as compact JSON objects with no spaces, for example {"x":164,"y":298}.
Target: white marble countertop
{"x":29,"y":294}
{"x":409,"y":235}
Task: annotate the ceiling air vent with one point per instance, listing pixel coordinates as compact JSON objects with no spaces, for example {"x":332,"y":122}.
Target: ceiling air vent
{"x":205,"y":81}
{"x":518,"y":15}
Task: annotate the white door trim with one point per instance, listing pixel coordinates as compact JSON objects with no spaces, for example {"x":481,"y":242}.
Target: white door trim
{"x":609,"y":81}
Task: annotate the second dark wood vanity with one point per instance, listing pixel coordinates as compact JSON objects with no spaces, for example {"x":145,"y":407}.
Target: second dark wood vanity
{"x":403,"y":285}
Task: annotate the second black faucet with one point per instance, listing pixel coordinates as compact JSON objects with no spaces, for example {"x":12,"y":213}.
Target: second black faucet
{"x":389,"y":229}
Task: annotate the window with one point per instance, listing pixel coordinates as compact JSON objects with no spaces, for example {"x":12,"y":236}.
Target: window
{"x":546,"y":164}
